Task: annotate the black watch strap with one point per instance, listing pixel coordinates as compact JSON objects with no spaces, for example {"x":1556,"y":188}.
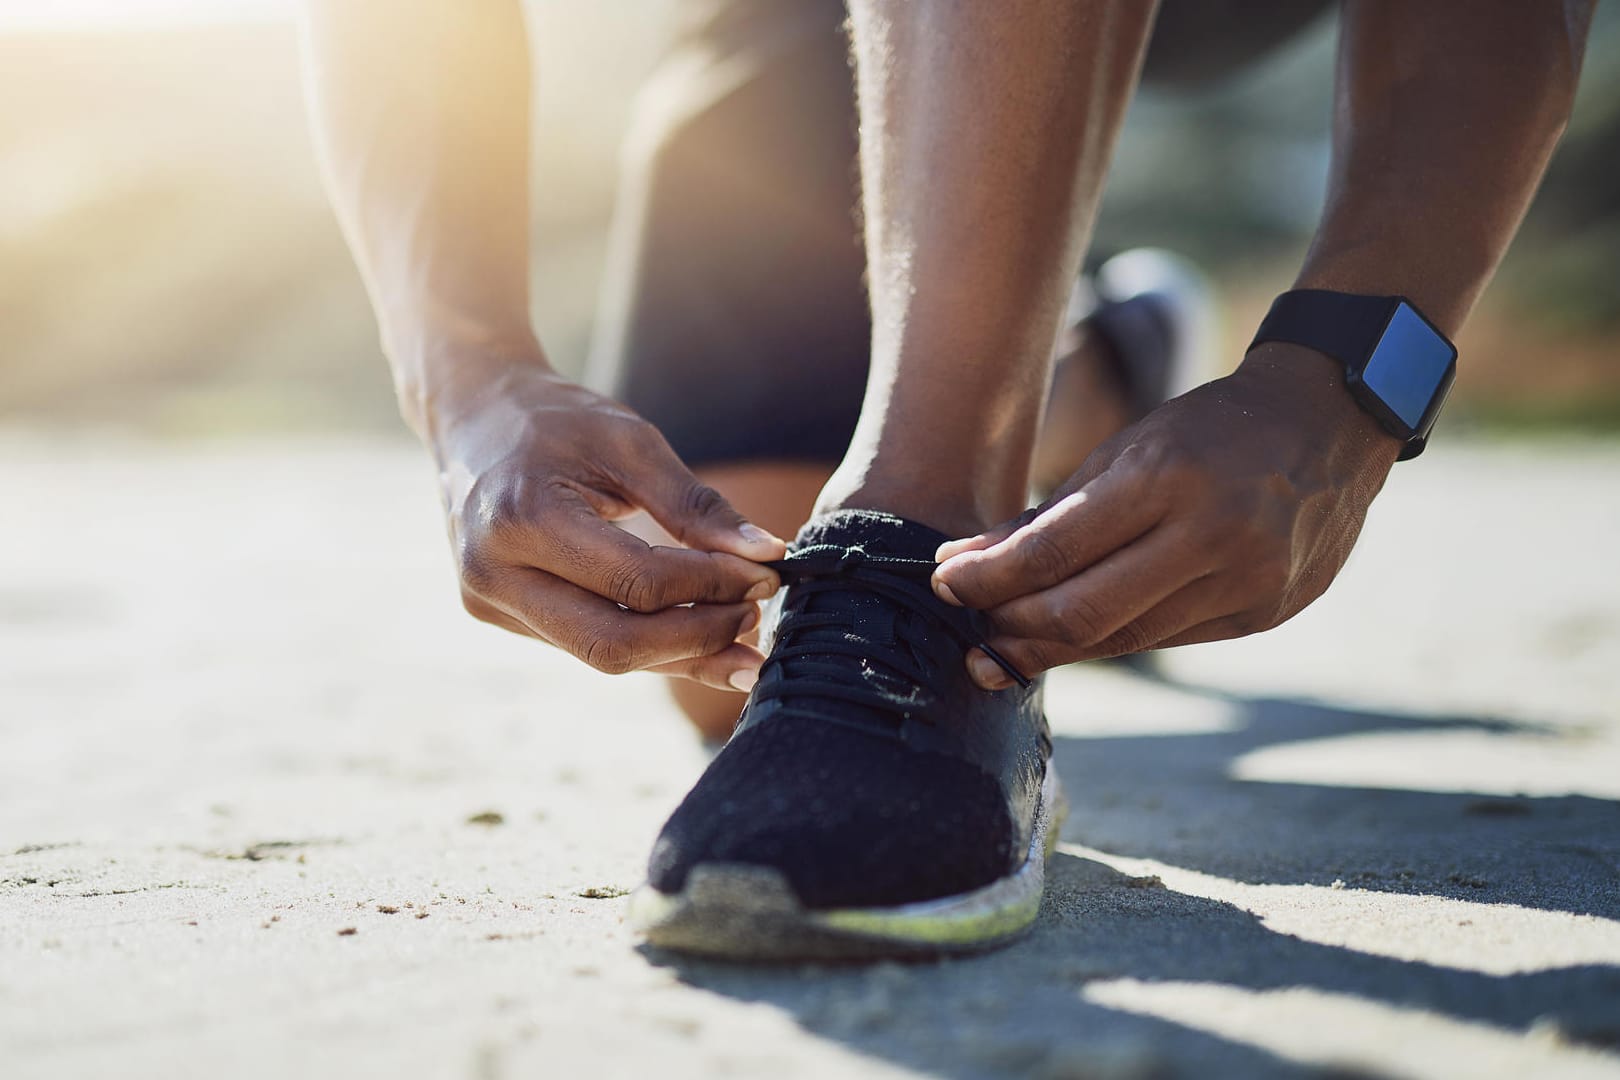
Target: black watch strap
{"x":1345,"y":326}
{"x":1351,"y":328}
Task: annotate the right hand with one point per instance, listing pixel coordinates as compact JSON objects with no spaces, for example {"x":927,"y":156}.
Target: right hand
{"x":533,"y":470}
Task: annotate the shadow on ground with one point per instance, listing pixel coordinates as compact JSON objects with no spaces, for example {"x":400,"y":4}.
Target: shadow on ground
{"x":1171,"y":798}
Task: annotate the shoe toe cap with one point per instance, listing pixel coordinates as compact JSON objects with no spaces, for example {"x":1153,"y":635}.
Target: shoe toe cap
{"x":848,"y":818}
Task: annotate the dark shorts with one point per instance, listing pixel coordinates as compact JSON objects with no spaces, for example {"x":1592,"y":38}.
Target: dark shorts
{"x":734,"y":314}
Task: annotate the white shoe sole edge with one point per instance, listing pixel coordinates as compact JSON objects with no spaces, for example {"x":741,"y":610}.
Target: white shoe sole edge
{"x":744,"y":912}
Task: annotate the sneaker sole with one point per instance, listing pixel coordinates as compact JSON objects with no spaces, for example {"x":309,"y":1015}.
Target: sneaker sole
{"x":743,"y":912}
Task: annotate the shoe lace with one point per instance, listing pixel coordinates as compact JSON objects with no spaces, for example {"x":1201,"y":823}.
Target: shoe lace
{"x":814,"y":640}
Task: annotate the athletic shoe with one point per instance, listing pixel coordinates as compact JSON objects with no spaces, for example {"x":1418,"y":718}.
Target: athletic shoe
{"x":1156,"y":313}
{"x":872,"y":801}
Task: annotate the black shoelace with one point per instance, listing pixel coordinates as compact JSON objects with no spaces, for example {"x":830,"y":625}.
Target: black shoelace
{"x":816,"y":670}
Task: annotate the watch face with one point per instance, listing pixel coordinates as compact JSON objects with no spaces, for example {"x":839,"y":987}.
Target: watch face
{"x":1409,"y":366}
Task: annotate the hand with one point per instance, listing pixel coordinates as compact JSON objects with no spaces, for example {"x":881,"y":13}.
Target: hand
{"x":533,"y":470}
{"x":1220,"y":514}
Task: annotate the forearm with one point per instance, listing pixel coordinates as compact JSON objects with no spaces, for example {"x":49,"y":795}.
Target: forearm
{"x":421,"y":113}
{"x":1446,"y":116}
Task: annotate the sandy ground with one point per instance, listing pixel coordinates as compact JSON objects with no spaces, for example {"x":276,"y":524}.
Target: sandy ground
{"x":271,"y":805}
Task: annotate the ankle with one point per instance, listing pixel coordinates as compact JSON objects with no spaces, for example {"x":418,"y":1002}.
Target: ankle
{"x":953,"y":513}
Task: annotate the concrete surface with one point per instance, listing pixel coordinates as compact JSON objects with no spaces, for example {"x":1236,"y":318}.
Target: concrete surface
{"x":271,"y":805}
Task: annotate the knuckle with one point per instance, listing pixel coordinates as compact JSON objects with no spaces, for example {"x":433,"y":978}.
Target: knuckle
{"x":511,"y":514}
{"x":1045,"y":554}
{"x":1162,"y":458}
{"x":496,"y":506}
{"x":1135,"y":638}
{"x":700,"y":500}
{"x":623,"y":447}
{"x":641,"y":435}
{"x":635,"y":587}
{"x":1051,"y":620}
{"x":474,"y":568}
{"x":606,"y":653}
{"x":1083,"y":621}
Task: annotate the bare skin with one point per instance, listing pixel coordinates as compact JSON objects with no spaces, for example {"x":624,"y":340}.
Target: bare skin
{"x":965,"y":317}
{"x":985,"y":137}
{"x":1084,"y":408}
{"x":422,"y":119}
{"x":1230,"y":509}
{"x":421,"y":113}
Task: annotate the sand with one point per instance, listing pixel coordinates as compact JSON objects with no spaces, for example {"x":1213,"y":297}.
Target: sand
{"x":271,"y":805}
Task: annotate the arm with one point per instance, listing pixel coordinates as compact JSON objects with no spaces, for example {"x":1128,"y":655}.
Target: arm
{"x":421,"y":115}
{"x":1228,"y":510}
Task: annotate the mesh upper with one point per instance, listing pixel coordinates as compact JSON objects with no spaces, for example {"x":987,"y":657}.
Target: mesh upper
{"x":849,"y":813}
{"x":849,"y":818}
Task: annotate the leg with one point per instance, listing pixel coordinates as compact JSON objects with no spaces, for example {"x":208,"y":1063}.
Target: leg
{"x":873,"y":801}
{"x":972,"y":250}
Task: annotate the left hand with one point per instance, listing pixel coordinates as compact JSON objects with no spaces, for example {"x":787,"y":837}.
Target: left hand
{"x":1220,"y":514}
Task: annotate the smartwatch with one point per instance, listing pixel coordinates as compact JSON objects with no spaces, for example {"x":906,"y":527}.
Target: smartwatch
{"x":1397,"y":366}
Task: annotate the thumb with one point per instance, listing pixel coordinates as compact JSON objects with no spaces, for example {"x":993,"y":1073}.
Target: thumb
{"x":1096,"y":463}
{"x":696,"y":514}
{"x":989,"y":538}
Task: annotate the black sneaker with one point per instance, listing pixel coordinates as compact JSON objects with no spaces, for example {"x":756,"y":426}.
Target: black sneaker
{"x":872,"y":801}
{"x":1155,"y":311}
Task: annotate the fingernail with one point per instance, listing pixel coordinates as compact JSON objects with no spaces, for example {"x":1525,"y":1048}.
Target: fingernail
{"x":756,"y":535}
{"x":987,"y":673}
{"x":744,"y":680}
{"x":952,"y":547}
{"x":943,"y":591}
{"x":750,"y":621}
{"x":761,"y":590}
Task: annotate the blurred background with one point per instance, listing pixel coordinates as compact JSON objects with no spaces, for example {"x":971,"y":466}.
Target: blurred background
{"x":168,"y":263}
{"x":243,"y":721}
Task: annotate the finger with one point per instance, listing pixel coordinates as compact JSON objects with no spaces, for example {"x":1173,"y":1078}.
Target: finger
{"x":1220,"y":629}
{"x":692,"y":511}
{"x":1076,"y":532}
{"x":569,"y":540}
{"x":987,"y":538}
{"x":1155,"y":629}
{"x":484,"y":611}
{"x":1096,"y":463}
{"x":735,"y":667}
{"x":609,"y":638}
{"x":1086,"y":609}
{"x":1198,"y":603}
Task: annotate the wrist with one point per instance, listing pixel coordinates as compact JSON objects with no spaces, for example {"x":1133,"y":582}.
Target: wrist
{"x":1442,"y":281}
{"x":1312,"y":386}
{"x":444,"y":374}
